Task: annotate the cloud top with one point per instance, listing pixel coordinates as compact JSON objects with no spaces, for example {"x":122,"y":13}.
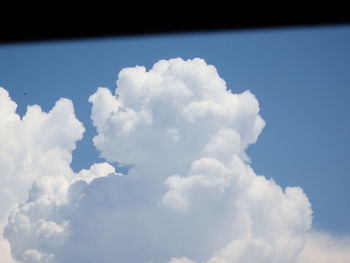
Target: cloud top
{"x":162,"y":110}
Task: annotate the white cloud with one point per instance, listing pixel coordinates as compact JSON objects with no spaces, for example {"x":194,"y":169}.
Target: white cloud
{"x":179,"y":124}
{"x":38,"y":144}
{"x":181,"y":260}
{"x":38,"y":228}
{"x":37,"y":148}
{"x":323,"y":248}
{"x":5,"y":253}
{"x":191,"y":195}
{"x":246,"y":250}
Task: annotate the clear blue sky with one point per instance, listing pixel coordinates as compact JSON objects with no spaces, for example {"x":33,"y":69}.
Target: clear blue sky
{"x":300,"y":76}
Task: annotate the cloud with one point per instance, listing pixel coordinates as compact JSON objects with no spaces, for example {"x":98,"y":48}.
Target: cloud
{"x":190,"y":196}
{"x":164,"y":108}
{"x":181,"y":260}
{"x":38,"y":144}
{"x":5,"y":252}
{"x":35,"y":153}
{"x":31,"y":147}
{"x":186,"y":134}
{"x":323,"y":247}
{"x":41,"y":222}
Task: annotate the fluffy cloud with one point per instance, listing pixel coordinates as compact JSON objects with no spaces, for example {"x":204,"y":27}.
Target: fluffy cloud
{"x":38,"y":144}
{"x":35,"y":153}
{"x":323,"y":247}
{"x":42,"y":222}
{"x":31,"y":147}
{"x":159,"y":114}
{"x":190,"y":196}
{"x":179,"y":124}
{"x":5,"y":252}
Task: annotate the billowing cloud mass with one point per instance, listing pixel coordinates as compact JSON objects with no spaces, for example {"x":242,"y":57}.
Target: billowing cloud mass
{"x":191,"y":195}
{"x":35,"y":157}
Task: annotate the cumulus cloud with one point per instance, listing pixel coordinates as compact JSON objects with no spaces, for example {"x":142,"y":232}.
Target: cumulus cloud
{"x":323,"y":247}
{"x":35,"y":153}
{"x":41,"y":222}
{"x":180,"y":125}
{"x":38,"y":144}
{"x":190,"y":196}
{"x":31,"y":147}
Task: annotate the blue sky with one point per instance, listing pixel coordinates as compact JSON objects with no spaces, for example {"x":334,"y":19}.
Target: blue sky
{"x":300,"y":77}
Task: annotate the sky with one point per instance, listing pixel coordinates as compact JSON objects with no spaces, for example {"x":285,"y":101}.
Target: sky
{"x":298,"y":76}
